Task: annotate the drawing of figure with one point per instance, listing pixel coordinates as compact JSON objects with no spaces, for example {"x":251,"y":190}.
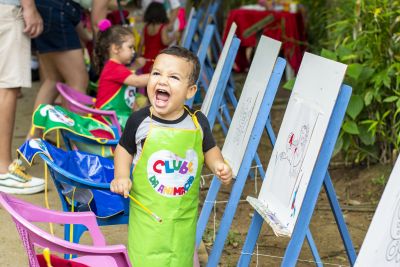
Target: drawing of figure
{"x":295,"y":150}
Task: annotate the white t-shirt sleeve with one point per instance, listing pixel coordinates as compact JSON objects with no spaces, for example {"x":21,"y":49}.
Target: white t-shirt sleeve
{"x":174,"y":4}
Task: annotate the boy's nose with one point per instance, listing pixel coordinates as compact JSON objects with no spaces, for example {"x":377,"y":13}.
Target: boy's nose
{"x":163,"y":79}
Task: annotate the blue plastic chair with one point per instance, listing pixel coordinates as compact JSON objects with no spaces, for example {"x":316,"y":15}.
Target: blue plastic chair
{"x":105,"y":148}
{"x":74,"y":173}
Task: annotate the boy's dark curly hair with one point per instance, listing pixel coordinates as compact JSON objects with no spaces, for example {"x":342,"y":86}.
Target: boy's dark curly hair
{"x":114,"y":35}
{"x":155,"y":14}
{"x":189,"y":56}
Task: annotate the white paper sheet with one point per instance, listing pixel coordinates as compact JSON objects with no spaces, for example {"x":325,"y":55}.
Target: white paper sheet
{"x":253,"y":92}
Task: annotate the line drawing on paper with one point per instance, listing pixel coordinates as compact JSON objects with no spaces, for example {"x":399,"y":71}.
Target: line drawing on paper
{"x":244,"y":118}
{"x":393,"y":249}
{"x":295,"y":149}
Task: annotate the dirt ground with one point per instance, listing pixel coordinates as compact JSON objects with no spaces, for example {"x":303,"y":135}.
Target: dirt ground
{"x":358,"y":189}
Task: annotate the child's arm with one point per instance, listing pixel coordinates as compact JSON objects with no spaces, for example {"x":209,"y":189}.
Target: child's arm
{"x":172,"y":17}
{"x":215,"y":162}
{"x":138,"y":64}
{"x":121,"y":184}
{"x":166,"y":38}
{"x":137,"y":80}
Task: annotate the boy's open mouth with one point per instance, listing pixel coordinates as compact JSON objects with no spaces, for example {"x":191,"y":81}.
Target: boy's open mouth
{"x":162,"y":97}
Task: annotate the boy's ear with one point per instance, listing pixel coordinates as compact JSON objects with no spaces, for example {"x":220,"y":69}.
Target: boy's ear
{"x":191,"y":91}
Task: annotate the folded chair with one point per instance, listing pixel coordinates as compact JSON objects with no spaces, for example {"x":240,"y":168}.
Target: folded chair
{"x":83,"y":104}
{"x":82,"y":181}
{"x":98,"y":254}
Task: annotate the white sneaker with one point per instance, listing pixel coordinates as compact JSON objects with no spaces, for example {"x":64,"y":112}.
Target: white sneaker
{"x":17,"y":181}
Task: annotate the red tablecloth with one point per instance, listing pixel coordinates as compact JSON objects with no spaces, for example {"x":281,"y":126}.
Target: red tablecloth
{"x":287,"y":28}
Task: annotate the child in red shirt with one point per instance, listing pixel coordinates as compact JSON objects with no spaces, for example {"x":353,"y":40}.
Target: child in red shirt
{"x":117,"y":83}
{"x":156,"y":36}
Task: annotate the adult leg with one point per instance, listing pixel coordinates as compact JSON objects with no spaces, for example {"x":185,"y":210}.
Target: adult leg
{"x":68,"y":66}
{"x":71,"y":65}
{"x":13,"y":177}
{"x":8,"y":104}
{"x":47,"y":91}
{"x":14,"y":73}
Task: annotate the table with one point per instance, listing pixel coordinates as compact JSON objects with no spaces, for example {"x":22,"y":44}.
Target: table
{"x":287,"y":27}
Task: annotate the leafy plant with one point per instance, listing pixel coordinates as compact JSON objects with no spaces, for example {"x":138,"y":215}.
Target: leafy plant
{"x":365,"y":35}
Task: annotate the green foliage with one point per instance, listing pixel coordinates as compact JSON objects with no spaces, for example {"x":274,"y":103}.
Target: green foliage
{"x":365,"y":35}
{"x":381,"y":180}
{"x":289,"y":84}
{"x":316,"y":23}
{"x":225,"y":5}
{"x":233,"y":239}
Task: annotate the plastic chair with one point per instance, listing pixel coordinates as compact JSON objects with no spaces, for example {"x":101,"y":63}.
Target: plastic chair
{"x":73,"y":172}
{"x":76,"y":142}
{"x":83,"y":104}
{"x":98,"y":254}
{"x":61,"y":176}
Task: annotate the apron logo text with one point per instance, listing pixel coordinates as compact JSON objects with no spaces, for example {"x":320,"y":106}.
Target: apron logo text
{"x":170,"y":175}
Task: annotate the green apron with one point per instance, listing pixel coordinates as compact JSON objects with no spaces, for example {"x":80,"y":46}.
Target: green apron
{"x":121,"y":102}
{"x":166,"y":180}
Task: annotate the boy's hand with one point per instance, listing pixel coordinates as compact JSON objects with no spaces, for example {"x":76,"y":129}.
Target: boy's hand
{"x":121,"y":186}
{"x":224,"y":172}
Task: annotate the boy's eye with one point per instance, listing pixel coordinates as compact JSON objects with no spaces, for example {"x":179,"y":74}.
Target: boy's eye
{"x":155,"y":73}
{"x":175,"y":77}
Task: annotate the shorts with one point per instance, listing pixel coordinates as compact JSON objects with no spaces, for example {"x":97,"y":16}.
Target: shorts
{"x":60,"y":18}
{"x":15,"y":49}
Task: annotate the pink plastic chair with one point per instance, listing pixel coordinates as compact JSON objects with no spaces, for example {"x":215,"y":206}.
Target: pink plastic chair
{"x":98,"y":254}
{"x":83,"y":104}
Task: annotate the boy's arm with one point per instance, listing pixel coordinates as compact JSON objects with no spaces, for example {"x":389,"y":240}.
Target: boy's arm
{"x":121,"y":184}
{"x":137,"y":80}
{"x":216,"y":163}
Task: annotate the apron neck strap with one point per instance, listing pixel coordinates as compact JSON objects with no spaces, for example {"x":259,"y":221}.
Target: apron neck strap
{"x":192,"y":115}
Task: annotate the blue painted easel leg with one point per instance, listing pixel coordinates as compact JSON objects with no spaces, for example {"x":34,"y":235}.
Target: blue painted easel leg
{"x":227,"y":218}
{"x":270,"y":132}
{"x":251,"y":240}
{"x":337,"y":213}
{"x":313,"y":248}
{"x":207,"y":208}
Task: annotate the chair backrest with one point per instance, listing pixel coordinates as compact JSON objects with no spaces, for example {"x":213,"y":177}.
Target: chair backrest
{"x":73,"y":141}
{"x":83,"y":104}
{"x":75,"y":99}
{"x":24,"y":213}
